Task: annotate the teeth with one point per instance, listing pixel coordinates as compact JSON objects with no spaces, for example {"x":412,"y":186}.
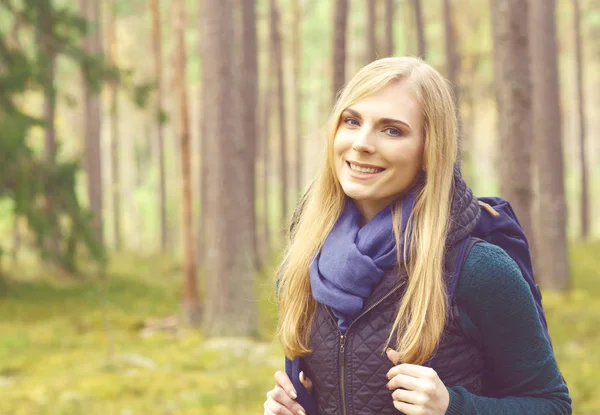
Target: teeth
{"x":364,"y":169}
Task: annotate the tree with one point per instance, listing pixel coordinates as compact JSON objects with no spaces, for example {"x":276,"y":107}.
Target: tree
{"x":230,"y":305}
{"x":191,"y":305}
{"x":422,"y":44}
{"x":159,"y":119}
{"x":452,"y":66}
{"x":92,"y":45}
{"x":249,"y":102}
{"x":584,"y":198}
{"x":371,"y":54}
{"x":114,"y":126}
{"x":513,"y":97}
{"x":547,"y":129}
{"x":297,"y":96}
{"x":389,"y":27}
{"x":340,"y":24}
{"x":276,"y":46}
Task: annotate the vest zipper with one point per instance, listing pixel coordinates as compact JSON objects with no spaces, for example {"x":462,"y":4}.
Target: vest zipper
{"x":343,"y":339}
{"x":342,"y":374}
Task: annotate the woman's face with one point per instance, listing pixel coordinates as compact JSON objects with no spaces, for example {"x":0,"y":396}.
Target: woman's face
{"x":378,"y":148}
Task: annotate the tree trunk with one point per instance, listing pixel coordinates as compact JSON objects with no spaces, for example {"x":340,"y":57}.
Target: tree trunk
{"x":584,"y":200}
{"x":371,"y":52}
{"x":547,"y":129}
{"x":297,"y":96}
{"x":452,"y":66}
{"x":93,"y":155}
{"x":249,"y":101}
{"x":158,"y":120}
{"x":48,"y":61}
{"x":283,"y":159}
{"x":230,"y":287}
{"x":191,"y":306}
{"x":266,"y":154}
{"x":513,"y":96}
{"x":340,"y":24}
{"x":389,"y":27}
{"x":114,"y":129}
{"x":422,"y":44}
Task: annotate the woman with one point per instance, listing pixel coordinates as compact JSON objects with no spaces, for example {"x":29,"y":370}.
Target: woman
{"x":370,"y":325}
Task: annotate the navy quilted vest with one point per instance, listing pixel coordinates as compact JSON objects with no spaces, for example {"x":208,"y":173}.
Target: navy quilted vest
{"x":348,"y":372}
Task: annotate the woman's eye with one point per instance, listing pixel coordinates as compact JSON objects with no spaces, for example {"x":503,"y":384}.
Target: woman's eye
{"x":394,"y":132}
{"x":351,"y":122}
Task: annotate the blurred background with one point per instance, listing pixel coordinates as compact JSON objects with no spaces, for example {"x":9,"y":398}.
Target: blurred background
{"x":152,"y":153}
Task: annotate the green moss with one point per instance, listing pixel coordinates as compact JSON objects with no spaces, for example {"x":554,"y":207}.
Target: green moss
{"x":59,"y":357}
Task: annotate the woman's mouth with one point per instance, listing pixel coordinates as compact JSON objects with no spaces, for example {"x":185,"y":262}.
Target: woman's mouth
{"x":363,"y":171}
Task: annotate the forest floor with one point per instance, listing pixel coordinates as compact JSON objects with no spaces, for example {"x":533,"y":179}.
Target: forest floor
{"x":83,"y":346}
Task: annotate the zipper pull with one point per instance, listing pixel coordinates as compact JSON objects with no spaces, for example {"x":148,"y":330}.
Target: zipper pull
{"x":342,"y":343}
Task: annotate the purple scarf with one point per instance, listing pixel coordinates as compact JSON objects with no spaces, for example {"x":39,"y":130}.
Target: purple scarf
{"x":353,"y":259}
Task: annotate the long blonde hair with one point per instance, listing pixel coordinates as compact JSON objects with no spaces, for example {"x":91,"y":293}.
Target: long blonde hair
{"x":422,"y":313}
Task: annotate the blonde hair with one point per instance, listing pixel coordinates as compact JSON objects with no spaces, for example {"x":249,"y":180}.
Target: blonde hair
{"x":422,"y":313}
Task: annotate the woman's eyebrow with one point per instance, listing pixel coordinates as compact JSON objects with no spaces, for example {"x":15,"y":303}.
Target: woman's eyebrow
{"x":379,"y":121}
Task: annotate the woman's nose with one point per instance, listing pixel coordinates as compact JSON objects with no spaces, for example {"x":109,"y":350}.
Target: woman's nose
{"x":362,"y":142}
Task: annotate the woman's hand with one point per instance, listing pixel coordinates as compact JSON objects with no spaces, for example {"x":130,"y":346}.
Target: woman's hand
{"x":281,"y":400}
{"x":417,"y":389}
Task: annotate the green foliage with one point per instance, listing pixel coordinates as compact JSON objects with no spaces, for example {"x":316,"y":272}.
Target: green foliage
{"x":56,"y":356}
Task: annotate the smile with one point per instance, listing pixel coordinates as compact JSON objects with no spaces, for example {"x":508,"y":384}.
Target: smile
{"x":364,"y":171}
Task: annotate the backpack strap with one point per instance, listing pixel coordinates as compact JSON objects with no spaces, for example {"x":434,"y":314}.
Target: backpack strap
{"x":466,"y":246}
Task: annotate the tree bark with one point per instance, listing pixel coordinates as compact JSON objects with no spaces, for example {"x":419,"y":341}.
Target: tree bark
{"x":340,"y":24}
{"x":249,"y":88}
{"x":547,"y":128}
{"x":513,"y":97}
{"x":158,"y":120}
{"x":452,"y":67}
{"x":422,"y":44}
{"x":389,"y":27}
{"x":297,"y":96}
{"x":48,"y":61}
{"x":584,"y":196}
{"x":93,"y":155}
{"x":275,"y":31}
{"x":230,"y":290}
{"x":114,"y":129}
{"x":371,"y":37}
{"x":191,"y":306}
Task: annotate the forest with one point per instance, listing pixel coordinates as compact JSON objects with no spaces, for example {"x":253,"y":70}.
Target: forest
{"x":152,"y":154}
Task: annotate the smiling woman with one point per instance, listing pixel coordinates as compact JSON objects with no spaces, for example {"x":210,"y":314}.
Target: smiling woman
{"x":378,"y":148}
{"x":378,"y":315}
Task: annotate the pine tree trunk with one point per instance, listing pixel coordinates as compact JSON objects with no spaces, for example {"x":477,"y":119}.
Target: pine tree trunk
{"x":297,"y":101}
{"x":230,"y":287}
{"x":371,"y":52}
{"x":191,"y":306}
{"x":452,"y":67}
{"x":114,"y":130}
{"x":389,"y":27}
{"x":584,"y":198}
{"x":513,"y":96}
{"x":547,"y":128}
{"x":340,"y":24}
{"x":249,"y":101}
{"x":48,"y":61}
{"x":157,"y":55}
{"x":422,"y":44}
{"x":278,"y":55}
{"x":93,"y":155}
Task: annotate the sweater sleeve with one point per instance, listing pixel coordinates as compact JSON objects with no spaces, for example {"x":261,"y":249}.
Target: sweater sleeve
{"x":522,"y":376}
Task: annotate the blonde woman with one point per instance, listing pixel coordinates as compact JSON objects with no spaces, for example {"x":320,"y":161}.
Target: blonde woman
{"x":366,"y":316}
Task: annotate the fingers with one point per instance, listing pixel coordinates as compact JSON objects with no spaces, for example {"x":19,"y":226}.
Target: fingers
{"x":284,"y":381}
{"x":393,"y":355}
{"x":404,"y":382}
{"x":275,"y":408}
{"x":306,"y":382}
{"x":420,"y":372}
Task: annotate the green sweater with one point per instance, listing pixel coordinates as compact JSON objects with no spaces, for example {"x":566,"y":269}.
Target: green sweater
{"x":497,"y":308}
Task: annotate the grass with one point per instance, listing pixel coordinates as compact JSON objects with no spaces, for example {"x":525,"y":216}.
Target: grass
{"x":59,"y":357}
